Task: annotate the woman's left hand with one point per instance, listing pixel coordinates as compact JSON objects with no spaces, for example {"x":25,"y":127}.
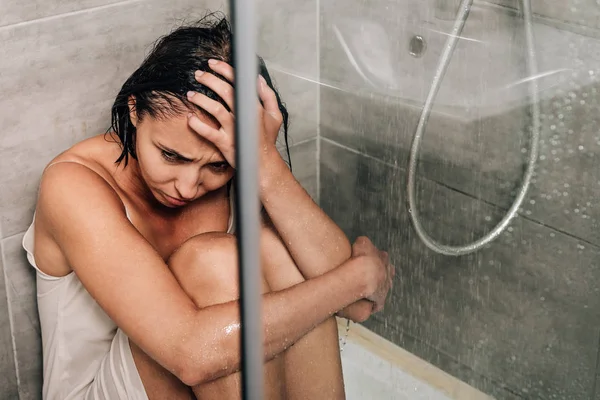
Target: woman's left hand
{"x":223,"y":137}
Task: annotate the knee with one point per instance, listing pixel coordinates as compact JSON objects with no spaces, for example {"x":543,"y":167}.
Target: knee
{"x":206,"y":268}
{"x":205,"y":247}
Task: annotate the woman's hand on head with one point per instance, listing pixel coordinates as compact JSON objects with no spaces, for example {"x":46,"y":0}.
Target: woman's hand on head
{"x":270,"y":118}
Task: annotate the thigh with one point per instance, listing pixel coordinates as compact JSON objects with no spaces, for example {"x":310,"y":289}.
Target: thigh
{"x":313,"y":367}
{"x":158,"y":383}
{"x":207,"y":269}
{"x":193,"y":272}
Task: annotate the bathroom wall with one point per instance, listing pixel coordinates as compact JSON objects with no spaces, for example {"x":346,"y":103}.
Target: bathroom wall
{"x":576,"y":14}
{"x":62,"y":64}
{"x":518,"y":319}
{"x":287,"y":40}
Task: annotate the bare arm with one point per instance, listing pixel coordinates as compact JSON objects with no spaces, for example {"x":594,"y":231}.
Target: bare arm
{"x":134,"y":286}
{"x":315,"y":242}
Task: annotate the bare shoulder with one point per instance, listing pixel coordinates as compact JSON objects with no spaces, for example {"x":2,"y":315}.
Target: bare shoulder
{"x":98,"y":153}
{"x":74,"y":201}
{"x":78,"y":178}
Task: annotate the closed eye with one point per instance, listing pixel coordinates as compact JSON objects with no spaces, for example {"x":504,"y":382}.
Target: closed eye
{"x":220,"y":166}
{"x":170,"y":156}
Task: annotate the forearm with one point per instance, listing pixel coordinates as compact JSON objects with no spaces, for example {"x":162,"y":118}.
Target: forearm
{"x":214,"y":342}
{"x":315,"y":242}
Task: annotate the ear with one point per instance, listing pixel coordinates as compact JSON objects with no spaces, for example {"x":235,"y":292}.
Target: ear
{"x":132,"y":112}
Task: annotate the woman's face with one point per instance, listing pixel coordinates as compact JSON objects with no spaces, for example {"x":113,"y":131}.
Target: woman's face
{"x":178,"y":165}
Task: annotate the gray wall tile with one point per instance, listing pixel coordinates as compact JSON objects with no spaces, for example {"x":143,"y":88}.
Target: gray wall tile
{"x":287,"y":36}
{"x":518,"y":318}
{"x":8,"y":377}
{"x":573,"y":12}
{"x":14,"y":11}
{"x":287,"y":40}
{"x":20,"y":283}
{"x":304,"y":166}
{"x":300,"y":98}
{"x":62,"y":78}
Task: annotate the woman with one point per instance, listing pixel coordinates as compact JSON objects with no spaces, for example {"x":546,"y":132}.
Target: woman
{"x":136,"y":261}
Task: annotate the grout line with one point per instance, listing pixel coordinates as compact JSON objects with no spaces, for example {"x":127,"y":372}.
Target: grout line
{"x":318,"y":161}
{"x":10,"y":316}
{"x":487,"y":202}
{"x":350,"y":149}
{"x":2,"y":239}
{"x":572,"y":26}
{"x":303,"y":141}
{"x":67,"y":14}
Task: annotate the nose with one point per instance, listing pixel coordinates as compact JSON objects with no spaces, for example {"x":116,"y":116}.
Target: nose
{"x":187,"y":184}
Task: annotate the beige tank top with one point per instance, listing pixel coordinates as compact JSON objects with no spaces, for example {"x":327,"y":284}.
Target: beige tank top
{"x":76,"y":332}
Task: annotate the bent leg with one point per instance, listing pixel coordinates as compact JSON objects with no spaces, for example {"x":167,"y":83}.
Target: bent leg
{"x":313,"y":367}
{"x":207,"y":269}
{"x":159,"y":383}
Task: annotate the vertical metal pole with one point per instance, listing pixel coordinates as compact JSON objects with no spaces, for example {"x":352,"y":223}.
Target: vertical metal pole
{"x":243,"y":20}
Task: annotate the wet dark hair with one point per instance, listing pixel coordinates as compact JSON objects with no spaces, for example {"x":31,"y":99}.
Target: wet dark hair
{"x":161,"y":83}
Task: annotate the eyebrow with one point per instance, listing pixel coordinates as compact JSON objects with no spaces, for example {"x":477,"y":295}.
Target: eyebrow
{"x":183,"y":158}
{"x":175,"y":153}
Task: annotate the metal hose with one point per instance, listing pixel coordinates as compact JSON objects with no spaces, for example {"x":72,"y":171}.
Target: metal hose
{"x":463,"y":14}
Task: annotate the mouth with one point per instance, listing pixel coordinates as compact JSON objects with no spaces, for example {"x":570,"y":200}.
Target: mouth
{"x":175,"y":202}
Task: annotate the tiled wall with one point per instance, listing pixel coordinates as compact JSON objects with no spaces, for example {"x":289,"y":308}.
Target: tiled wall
{"x":518,"y":319}
{"x":61,"y":64}
{"x":288,"y":43}
{"x":575,"y":13}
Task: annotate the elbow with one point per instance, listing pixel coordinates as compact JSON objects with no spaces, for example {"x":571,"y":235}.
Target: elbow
{"x":187,"y":366}
{"x":359,"y":311}
{"x":191,"y":379}
{"x":191,"y":373}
